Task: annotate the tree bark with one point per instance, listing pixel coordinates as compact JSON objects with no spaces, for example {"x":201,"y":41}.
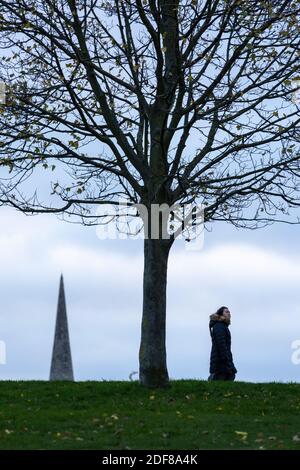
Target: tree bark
{"x":152,"y":354}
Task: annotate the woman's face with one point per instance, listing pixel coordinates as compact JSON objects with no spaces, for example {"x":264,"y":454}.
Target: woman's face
{"x":226,"y":313}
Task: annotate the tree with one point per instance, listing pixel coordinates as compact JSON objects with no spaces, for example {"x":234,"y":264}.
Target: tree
{"x":158,"y":101}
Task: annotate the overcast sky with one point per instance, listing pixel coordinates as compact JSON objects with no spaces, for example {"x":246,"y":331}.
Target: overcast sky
{"x":255,"y":273}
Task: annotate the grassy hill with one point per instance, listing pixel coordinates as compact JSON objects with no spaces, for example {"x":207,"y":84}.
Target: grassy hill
{"x":191,"y":414}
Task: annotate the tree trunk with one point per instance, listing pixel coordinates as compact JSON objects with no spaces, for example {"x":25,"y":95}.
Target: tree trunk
{"x":152,"y":355}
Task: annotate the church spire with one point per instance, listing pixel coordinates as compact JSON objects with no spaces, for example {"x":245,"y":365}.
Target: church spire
{"x":61,"y":364}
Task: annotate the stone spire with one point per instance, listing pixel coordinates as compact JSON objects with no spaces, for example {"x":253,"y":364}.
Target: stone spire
{"x":61,"y":364}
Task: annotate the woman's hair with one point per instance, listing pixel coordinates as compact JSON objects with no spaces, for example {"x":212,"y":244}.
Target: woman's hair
{"x":220,"y":310}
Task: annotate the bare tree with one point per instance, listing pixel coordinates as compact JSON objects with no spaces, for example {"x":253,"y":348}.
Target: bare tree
{"x":155,"y":101}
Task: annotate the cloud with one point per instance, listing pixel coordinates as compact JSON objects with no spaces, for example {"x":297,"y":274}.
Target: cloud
{"x":104,"y":299}
{"x":238,"y":263}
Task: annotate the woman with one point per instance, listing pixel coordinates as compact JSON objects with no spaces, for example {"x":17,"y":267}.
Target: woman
{"x":221,"y":362}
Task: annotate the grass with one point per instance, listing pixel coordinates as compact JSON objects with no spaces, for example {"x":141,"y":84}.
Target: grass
{"x":191,"y":414}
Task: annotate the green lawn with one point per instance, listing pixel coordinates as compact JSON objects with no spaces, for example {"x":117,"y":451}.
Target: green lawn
{"x":191,"y":414}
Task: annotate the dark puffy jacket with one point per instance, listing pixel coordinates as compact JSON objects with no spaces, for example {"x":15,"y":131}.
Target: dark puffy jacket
{"x":220,"y":358}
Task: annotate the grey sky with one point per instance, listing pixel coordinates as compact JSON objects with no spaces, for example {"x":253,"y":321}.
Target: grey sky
{"x":255,"y":273}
